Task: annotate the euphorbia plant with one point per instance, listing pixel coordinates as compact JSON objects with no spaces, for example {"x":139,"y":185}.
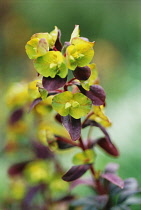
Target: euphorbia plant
{"x":69,"y":80}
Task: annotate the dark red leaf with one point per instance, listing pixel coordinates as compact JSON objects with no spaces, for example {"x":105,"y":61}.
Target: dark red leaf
{"x":63,"y":143}
{"x":96,"y":94}
{"x":73,"y":126}
{"x":34,"y":103}
{"x":17,"y":168}
{"x":113,"y":178}
{"x":75,"y":172}
{"x":53,"y":83}
{"x":42,"y":151}
{"x":82,"y":73}
{"x":108,"y":146}
{"x":58,"y":118}
{"x":58,"y":44}
{"x":15,"y":116}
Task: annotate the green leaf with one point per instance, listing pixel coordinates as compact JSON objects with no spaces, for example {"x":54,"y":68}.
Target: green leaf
{"x":51,"y":64}
{"x":77,"y":105}
{"x":86,"y":157}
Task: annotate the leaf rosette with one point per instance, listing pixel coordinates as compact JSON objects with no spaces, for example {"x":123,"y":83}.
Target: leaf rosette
{"x":77,"y":105}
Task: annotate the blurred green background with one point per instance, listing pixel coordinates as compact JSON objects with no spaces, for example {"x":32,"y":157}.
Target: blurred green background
{"x":116,"y":28}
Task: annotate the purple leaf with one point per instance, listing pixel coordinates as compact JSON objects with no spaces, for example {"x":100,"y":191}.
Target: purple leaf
{"x":17,"y":168}
{"x":75,"y":172}
{"x":96,"y":94}
{"x":113,"y":178}
{"x":63,"y":143}
{"x":15,"y":116}
{"x":73,"y":126}
{"x":108,"y":146}
{"x":111,"y":168}
{"x":42,"y":151}
{"x":88,"y":182}
{"x":58,"y":44}
{"x":31,"y":193}
{"x":34,"y":103}
{"x":82,"y":73}
{"x":53,"y":83}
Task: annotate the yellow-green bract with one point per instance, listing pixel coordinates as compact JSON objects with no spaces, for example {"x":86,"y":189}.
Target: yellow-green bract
{"x":77,"y":105}
{"x":85,"y":157}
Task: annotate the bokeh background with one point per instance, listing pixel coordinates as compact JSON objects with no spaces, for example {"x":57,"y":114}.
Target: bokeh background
{"x":116,"y":28}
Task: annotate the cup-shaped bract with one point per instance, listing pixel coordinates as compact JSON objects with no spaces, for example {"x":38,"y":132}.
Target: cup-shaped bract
{"x":51,"y":64}
{"x":77,"y":105}
{"x":79,"y":53}
{"x":40,"y":43}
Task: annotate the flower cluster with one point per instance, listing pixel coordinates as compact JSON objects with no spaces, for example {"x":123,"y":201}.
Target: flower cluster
{"x":64,"y":100}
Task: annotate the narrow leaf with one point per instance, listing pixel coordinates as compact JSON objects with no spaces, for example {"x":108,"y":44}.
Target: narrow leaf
{"x":53,"y":83}
{"x":34,"y":103}
{"x":108,"y":146}
{"x":75,"y":172}
{"x":113,"y":178}
{"x":73,"y":126}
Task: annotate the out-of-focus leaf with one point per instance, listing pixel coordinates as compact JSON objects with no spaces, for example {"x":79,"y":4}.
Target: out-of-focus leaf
{"x":85,"y":157}
{"x":42,"y":151}
{"x":15,"y":116}
{"x":114,"y":179}
{"x":32,"y":191}
{"x":73,"y":126}
{"x":34,"y":103}
{"x":82,"y":73}
{"x":125,"y":194}
{"x":108,"y":146}
{"x":17,"y":168}
{"x":111,"y":168}
{"x":53,"y":83}
{"x":75,"y":172}
{"x":89,"y":182}
{"x":92,"y":202}
{"x":133,"y":201}
{"x":43,"y":93}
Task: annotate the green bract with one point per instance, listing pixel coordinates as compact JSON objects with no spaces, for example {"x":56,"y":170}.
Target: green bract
{"x":40,"y":43}
{"x":51,"y":64}
{"x":77,"y":105}
{"x":86,"y":157}
{"x":79,"y":53}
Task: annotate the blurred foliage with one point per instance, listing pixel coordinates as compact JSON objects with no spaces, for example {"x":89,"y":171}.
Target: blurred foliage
{"x":116,"y":28}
